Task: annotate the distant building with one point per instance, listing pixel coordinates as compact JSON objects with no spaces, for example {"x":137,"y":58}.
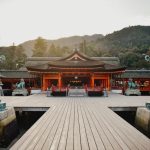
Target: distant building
{"x":76,"y":70}
{"x":11,"y":77}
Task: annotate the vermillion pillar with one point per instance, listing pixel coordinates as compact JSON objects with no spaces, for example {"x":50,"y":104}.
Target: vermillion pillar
{"x":44,"y":84}
{"x":109,"y":82}
{"x":92,"y":81}
{"x":59,"y":81}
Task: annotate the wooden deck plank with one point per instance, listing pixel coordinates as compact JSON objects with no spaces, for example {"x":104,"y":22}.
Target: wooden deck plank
{"x":80,"y":123}
{"x":122,"y":132}
{"x":118,"y":135}
{"x":70,"y":136}
{"x":63,"y":139}
{"x":34,"y":128}
{"x":83,"y":135}
{"x":89,"y":134}
{"x":51,"y":130}
{"x":77,"y":134}
{"x":101,"y":132}
{"x":39,"y":145}
{"x":36,"y":135}
{"x":96,"y":136}
{"x":126,"y":129}
{"x":60,"y":127}
{"x":111,"y":135}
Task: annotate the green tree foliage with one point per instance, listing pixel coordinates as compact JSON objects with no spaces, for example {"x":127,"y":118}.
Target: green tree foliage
{"x":128,"y":44}
{"x":40,"y":47}
{"x":10,"y":58}
{"x":66,"y":50}
{"x":15,"y":57}
{"x":83,"y":47}
{"x":52,"y":50}
{"x":57,"y":51}
{"x":88,"y":49}
{"x":20,"y":57}
{"x":133,"y":61}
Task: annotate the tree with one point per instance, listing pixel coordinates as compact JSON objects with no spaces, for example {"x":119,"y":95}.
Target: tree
{"x":65,"y":51}
{"x":52,"y":50}
{"x":10,"y":63}
{"x":58,"y":51}
{"x":133,"y":61}
{"x":20,"y":57}
{"x":40,"y":47}
{"x":94,"y":52}
{"x":15,"y":57}
{"x":83,"y":47}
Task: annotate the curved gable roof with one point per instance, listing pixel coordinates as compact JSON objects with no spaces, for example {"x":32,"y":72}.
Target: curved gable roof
{"x":76,"y":60}
{"x":78,"y":55}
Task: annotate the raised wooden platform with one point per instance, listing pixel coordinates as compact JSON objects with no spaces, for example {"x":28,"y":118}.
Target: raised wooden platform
{"x":80,"y":123}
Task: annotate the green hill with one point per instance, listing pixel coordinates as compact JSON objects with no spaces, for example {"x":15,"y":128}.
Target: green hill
{"x":129,"y":44}
{"x":128,"y":38}
{"x":69,"y":42}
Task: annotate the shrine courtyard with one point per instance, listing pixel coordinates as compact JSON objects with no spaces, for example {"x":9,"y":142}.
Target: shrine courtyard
{"x":80,"y":123}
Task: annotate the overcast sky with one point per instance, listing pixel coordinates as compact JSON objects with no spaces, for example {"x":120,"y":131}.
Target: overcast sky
{"x":22,"y":20}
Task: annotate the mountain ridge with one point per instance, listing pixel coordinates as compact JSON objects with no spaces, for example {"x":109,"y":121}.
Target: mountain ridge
{"x":128,"y":44}
{"x":71,"y":42}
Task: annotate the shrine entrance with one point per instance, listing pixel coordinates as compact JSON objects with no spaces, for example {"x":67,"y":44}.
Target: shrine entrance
{"x":75,"y":80}
{"x":76,"y":70}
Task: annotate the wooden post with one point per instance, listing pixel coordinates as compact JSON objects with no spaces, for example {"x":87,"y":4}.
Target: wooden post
{"x":92,"y":83}
{"x":109,"y":81}
{"x":59,"y":81}
{"x":43,"y":83}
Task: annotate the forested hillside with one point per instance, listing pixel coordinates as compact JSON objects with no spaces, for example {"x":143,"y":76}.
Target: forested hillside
{"x":60,"y":44}
{"x":15,"y":57}
{"x":129,"y":44}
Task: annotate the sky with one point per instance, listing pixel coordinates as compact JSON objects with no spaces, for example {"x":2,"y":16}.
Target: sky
{"x":23,"y":20}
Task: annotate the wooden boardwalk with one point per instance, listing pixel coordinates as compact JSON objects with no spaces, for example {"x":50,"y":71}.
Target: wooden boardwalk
{"x":80,"y":124}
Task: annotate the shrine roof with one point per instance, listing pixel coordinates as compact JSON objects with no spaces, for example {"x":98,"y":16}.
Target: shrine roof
{"x":136,"y":74}
{"x":74,"y":60}
{"x":25,"y":74}
{"x":15,"y":74}
{"x":74,"y":64}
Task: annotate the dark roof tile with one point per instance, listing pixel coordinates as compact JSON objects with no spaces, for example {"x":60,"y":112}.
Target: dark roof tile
{"x":15,"y":74}
{"x":136,"y":74}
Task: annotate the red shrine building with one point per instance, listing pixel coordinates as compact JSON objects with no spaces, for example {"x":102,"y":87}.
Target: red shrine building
{"x":76,"y":70}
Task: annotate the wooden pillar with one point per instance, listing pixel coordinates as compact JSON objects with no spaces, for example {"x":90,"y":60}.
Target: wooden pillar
{"x":11,"y":83}
{"x":59,"y":81}
{"x":41,"y":76}
{"x":106,"y":83}
{"x":109,"y":82}
{"x":34,"y":81}
{"x":44,"y":83}
{"x":103,"y":83}
{"x":92,"y":81}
